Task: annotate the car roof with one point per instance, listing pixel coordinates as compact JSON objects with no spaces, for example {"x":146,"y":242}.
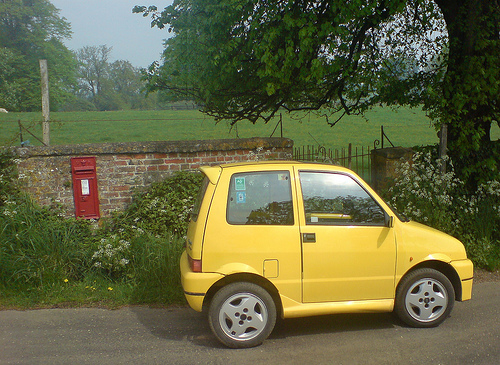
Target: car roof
{"x":308,"y":164}
{"x":278,"y":163}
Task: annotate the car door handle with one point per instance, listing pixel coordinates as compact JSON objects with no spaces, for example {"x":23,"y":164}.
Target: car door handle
{"x":308,"y":237}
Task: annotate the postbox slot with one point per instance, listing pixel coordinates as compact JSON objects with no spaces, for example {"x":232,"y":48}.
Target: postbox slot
{"x":83,"y":172}
{"x":84,"y":168}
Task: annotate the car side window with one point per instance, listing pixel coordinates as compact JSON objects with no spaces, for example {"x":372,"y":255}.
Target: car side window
{"x":337,"y":199}
{"x":260,"y":198}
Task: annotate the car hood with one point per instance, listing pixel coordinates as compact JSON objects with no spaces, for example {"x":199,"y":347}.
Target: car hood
{"x":423,"y":242}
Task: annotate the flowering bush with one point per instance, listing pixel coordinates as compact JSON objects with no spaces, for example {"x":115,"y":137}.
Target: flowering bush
{"x":163,"y":209}
{"x":423,"y":193}
{"x":112,"y":255}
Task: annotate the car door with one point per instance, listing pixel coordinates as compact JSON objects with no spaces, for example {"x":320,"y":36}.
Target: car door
{"x":348,"y":251}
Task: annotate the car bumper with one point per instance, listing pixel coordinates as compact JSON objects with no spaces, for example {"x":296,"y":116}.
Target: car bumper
{"x":196,"y":285}
{"x":465,"y":270}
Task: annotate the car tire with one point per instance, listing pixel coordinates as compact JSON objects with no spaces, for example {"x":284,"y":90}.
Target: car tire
{"x":242,"y":315}
{"x":424,"y":298}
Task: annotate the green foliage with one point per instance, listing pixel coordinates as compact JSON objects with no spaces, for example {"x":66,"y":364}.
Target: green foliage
{"x":147,"y":239}
{"x":246,"y":59}
{"x":10,"y":85}
{"x":155,"y":269}
{"x":77,"y":104}
{"x":484,"y":252}
{"x":143,"y":244}
{"x":111,"y":256}
{"x":8,"y":176}
{"x":30,"y":31}
{"x":164,"y":208}
{"x":423,"y":193}
{"x":148,"y":263}
{"x":38,"y":247}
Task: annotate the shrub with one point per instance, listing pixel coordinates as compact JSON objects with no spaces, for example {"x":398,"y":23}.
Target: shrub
{"x":112,"y":256}
{"x":163,"y":209}
{"x":423,"y":193}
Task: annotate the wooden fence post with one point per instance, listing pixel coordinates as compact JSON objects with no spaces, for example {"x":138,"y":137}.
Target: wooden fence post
{"x":45,"y":102}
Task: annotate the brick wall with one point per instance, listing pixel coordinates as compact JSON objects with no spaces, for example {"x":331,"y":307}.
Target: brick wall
{"x":122,"y":168}
{"x":384,"y":164}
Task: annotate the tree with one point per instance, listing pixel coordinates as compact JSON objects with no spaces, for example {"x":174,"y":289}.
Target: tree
{"x":93,"y":71}
{"x":471,"y":86}
{"x":29,"y":31}
{"x":127,"y":82}
{"x":10,"y":90}
{"x":246,"y":59}
{"x":108,"y":86}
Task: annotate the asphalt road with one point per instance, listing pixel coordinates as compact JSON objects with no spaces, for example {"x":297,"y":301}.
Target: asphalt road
{"x":139,"y":335}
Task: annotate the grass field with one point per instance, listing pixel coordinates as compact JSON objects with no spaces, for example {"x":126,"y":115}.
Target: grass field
{"x":405,"y":127}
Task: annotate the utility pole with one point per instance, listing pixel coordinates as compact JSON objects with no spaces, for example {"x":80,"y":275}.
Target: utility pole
{"x":45,"y":102}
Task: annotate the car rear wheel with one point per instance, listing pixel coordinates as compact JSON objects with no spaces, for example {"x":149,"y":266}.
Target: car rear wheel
{"x":425,"y":298}
{"x":242,"y":315}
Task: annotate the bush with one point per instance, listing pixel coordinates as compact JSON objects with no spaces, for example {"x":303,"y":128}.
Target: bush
{"x":423,"y":193}
{"x":163,"y":209}
{"x":150,"y":264}
{"x":112,"y":256}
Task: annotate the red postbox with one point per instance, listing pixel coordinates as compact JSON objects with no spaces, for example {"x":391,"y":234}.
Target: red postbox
{"x":83,"y":170}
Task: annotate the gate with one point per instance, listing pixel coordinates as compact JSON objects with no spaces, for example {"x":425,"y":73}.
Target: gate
{"x":357,"y":159}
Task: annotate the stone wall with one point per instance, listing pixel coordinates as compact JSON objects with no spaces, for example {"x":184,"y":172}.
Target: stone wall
{"x":123,"y":168}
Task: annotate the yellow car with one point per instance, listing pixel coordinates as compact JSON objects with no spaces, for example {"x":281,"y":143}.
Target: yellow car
{"x":301,"y":239}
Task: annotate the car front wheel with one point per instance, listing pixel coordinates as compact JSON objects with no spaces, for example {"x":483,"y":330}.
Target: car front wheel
{"x":425,"y":298}
{"x":242,"y":315}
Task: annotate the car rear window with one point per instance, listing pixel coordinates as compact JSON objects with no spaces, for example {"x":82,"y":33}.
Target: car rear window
{"x":199,"y":199}
{"x":260,"y":198}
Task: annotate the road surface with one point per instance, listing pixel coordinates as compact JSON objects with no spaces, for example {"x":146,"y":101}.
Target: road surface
{"x":139,"y":335}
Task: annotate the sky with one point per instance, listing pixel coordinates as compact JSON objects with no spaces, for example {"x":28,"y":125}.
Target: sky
{"x":112,"y":23}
